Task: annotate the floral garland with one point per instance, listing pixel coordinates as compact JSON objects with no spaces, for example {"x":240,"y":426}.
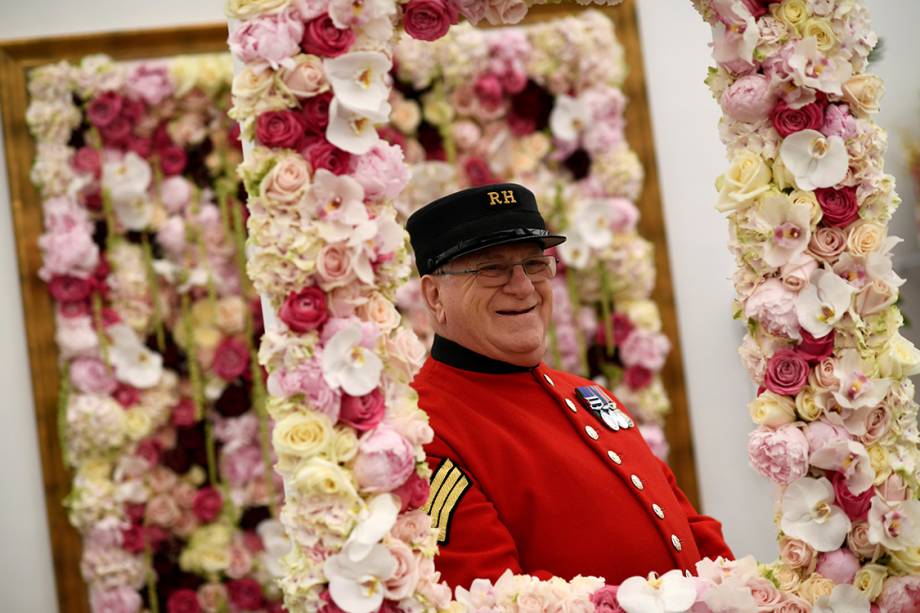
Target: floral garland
{"x":480,"y":106}
{"x":159,"y":404}
{"x":808,"y":205}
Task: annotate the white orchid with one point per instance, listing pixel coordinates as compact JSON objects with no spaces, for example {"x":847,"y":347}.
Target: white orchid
{"x":895,"y":525}
{"x":358,"y":80}
{"x":789,"y":228}
{"x":593,"y":220}
{"x":126,"y":181}
{"x":381,"y":515}
{"x":354,"y":131}
{"x":823,"y":302}
{"x":815,"y":160}
{"x":348,"y":365}
{"x":575,"y":251}
{"x":849,"y":458}
{"x":810,"y":515}
{"x":570,"y":116}
{"x":339,"y":205}
{"x":844,"y":598}
{"x":672,"y":592}
{"x":357,"y":586}
{"x":814,"y":69}
{"x":857,"y":389}
{"x":134,"y":363}
{"x":277,"y":544}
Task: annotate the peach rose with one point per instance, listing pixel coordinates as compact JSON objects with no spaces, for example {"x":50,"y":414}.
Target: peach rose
{"x":287,"y":181}
{"x":231,"y":315}
{"x":797,"y":554}
{"x":381,"y":312}
{"x":863,"y":92}
{"x":305,"y":78}
{"x":334,"y":266}
{"x":865,"y":237}
{"x":858,"y":541}
{"x":402,"y":582}
{"x":163,"y":510}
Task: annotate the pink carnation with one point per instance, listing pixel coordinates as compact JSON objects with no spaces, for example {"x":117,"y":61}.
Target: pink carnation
{"x":272,"y":38}
{"x":381,"y":171}
{"x":385,"y":460}
{"x":781,"y":455}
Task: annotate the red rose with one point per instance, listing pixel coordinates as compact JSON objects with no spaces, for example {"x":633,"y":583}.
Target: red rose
{"x":856,"y":507}
{"x":279,"y":129}
{"x":132,"y":539}
{"x":141,"y":146}
{"x":88,"y":160}
{"x":534,"y":103}
{"x":521,"y":126}
{"x":172,"y":160}
{"x":788,"y":120}
{"x":815,"y":349}
{"x":116,"y":133}
{"x":207,"y":504}
{"x":126,"y":395}
{"x":838,"y":205}
{"x":67,"y":288}
{"x":429,"y":19}
{"x":183,"y":601}
{"x":322,"y":38}
{"x":787,"y":372}
{"x":93,"y":200}
{"x":110,"y":316}
{"x":104,"y":108}
{"x":315,"y":112}
{"x":477,"y":171}
{"x":231,"y":359}
{"x":132,"y":109}
{"x":161,"y":138}
{"x":413,"y":493}
{"x":183,"y":414}
{"x":363,"y":412}
{"x":149,"y":449}
{"x":253,"y":542}
{"x":622,"y":328}
{"x":135,"y":512}
{"x":605,"y":600}
{"x":392,"y":136}
{"x":304,"y":310}
{"x":323,"y":154}
{"x":245,"y":593}
{"x":328,"y":605}
{"x":637,"y":377}
{"x":488,"y":90}
{"x":234,"y":135}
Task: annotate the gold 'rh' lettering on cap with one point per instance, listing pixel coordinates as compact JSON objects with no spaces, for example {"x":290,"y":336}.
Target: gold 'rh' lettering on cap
{"x":506,"y":196}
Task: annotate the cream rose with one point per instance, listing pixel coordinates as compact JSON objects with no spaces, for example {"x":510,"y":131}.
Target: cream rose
{"x":746,"y":178}
{"x":404,"y":346}
{"x":643,"y":313}
{"x":319,"y":476}
{"x":869,"y":580}
{"x":231,"y":314}
{"x":402,"y":582}
{"x":304,"y":79}
{"x":787,"y":579}
{"x":287,"y":181}
{"x":345,"y":444}
{"x":814,"y":587}
{"x":772,"y":410}
{"x":405,"y":115}
{"x":801,"y":198}
{"x":137,"y":424}
{"x":865,"y":237}
{"x":810,"y":404}
{"x":381,"y":312}
{"x":298,"y":437}
{"x":250,"y":83}
{"x":792,"y":12}
{"x":906,"y":561}
{"x":437,"y":110}
{"x":781,"y":176}
{"x":863,"y":93}
{"x":899,"y":359}
{"x":246,"y":9}
{"x":821,"y":31}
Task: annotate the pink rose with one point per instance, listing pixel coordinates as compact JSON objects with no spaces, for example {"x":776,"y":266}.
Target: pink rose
{"x":838,"y":205}
{"x":772,"y":304}
{"x":271,"y":38}
{"x":403,"y":581}
{"x":175,"y":193}
{"x":183,"y":601}
{"x":797,"y":271}
{"x":412,"y":527}
{"x":858,"y":541}
{"x":488,"y":89}
{"x":855,"y":506}
{"x":322,"y":38}
{"x":381,"y":171}
{"x":279,"y":129}
{"x":240,"y":561}
{"x":92,"y":376}
{"x":323,"y":154}
{"x":246,"y":593}
{"x":787,"y":120}
{"x":748,"y":99}
{"x":648,"y":349}
{"x":793,"y":604}
{"x":150,"y":82}
{"x":505,"y":11}
{"x":765,"y":593}
{"x":120,"y":599}
{"x":242,"y":466}
{"x":877,"y":423}
{"x":429,"y":19}
{"x":797,"y":554}
{"x":306,"y":78}
{"x":104,"y":108}
{"x":365,"y":412}
{"x":163,"y":510}
{"x":207,"y":504}
{"x":333,"y":265}
{"x":385,"y":460}
{"x":781,"y":455}
{"x":605,"y":600}
{"x":472,"y":10}
{"x":787,"y":372}
{"x":87,"y":160}
{"x":824,"y":373}
{"x":839,"y":566}
{"x":305,"y":310}
{"x":231,"y":359}
{"x":828,"y":243}
{"x":413,"y":493}
{"x":900,"y":595}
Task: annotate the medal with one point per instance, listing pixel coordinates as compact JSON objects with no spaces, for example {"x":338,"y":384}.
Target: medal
{"x":593,"y":398}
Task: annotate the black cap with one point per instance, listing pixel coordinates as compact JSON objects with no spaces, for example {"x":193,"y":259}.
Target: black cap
{"x":473,"y":219}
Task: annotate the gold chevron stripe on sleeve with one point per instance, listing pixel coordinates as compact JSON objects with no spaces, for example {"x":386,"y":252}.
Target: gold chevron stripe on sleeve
{"x":447,"y":487}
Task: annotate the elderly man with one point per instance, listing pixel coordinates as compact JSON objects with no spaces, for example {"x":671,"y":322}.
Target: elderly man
{"x":534,"y":470}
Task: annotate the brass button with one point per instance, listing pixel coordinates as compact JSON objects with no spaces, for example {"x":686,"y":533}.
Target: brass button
{"x":636,"y":481}
{"x":571,"y":405}
{"x":615,"y":457}
{"x":548,"y":379}
{"x":676,"y":542}
{"x":591,"y":432}
{"x":658,"y":511}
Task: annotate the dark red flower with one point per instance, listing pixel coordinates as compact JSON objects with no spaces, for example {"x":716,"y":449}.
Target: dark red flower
{"x":315,"y":112}
{"x":413,"y":493}
{"x":126,"y":395}
{"x":183,"y":413}
{"x":88,"y":160}
{"x":149,"y":449}
{"x":787,"y":120}
{"x":132,"y":110}
{"x":787,"y":372}
{"x":279,"y":129}
{"x":855,"y":506}
{"x":67,"y":288}
{"x":207,"y":504}
{"x":245,"y":593}
{"x":104,"y":108}
{"x":140,"y":145}
{"x":305,"y":310}
{"x":231,"y":359}
{"x":183,"y":601}
{"x":323,"y":154}
{"x":116,"y":133}
{"x":322,"y":38}
{"x":816,"y":349}
{"x":429,"y":19}
{"x":839,"y":206}
{"x":477,"y":171}
{"x":172,"y":160}
{"x":637,"y":377}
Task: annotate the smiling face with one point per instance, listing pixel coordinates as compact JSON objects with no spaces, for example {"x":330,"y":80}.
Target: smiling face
{"x":506,"y":323}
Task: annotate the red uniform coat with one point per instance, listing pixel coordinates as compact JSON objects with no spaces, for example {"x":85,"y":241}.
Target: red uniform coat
{"x":527,"y":478}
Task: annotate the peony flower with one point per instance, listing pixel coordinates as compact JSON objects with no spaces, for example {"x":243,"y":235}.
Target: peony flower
{"x":848,"y":458}
{"x":789,"y":228}
{"x":385,"y":460}
{"x":348,"y":365}
{"x":808,"y":514}
{"x":358,"y":80}
{"x":839,"y":566}
{"x":670,"y":593}
{"x":272,"y":38}
{"x":843,"y":599}
{"x":896,"y":525}
{"x":773,"y":305}
{"x":749,"y":99}
{"x":354,"y":131}
{"x":647,"y":349}
{"x":900,"y":595}
{"x":781,"y":455}
{"x":381,"y":171}
{"x":357,"y":585}
{"x":133,"y":362}
{"x":814,"y":160}
{"x":823,"y":302}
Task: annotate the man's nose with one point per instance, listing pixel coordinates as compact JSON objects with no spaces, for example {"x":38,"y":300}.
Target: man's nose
{"x":519,"y":283}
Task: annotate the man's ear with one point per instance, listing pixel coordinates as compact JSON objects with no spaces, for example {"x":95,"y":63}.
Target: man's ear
{"x":431,"y":294}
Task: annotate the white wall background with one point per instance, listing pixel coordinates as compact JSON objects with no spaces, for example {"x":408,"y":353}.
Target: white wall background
{"x":690,"y":156}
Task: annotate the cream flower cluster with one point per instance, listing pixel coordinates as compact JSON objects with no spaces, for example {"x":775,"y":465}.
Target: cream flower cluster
{"x":808,"y":205}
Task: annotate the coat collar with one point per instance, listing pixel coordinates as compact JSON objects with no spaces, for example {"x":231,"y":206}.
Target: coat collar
{"x":456,"y":355}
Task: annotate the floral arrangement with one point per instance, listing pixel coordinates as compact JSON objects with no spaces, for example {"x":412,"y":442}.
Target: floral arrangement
{"x":542,"y":106}
{"x":808,"y":205}
{"x":161,"y":401}
{"x":913,"y":163}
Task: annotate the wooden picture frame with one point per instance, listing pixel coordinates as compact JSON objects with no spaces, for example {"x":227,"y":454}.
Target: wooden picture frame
{"x":18,"y":57}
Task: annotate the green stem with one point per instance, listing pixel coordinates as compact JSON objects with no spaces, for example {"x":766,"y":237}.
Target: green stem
{"x":194,"y":368}
{"x":211,"y":452}
{"x":151,"y":578}
{"x":153,"y":288}
{"x":606,"y":308}
{"x":110,"y":225}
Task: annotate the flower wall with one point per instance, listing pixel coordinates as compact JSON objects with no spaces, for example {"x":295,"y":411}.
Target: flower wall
{"x":160,"y":415}
{"x":541,"y":105}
